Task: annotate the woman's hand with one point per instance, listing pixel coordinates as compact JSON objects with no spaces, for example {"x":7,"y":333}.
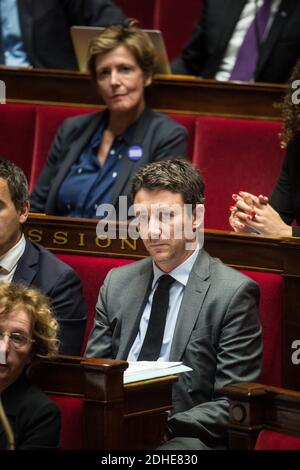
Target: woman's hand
{"x":254,"y":213}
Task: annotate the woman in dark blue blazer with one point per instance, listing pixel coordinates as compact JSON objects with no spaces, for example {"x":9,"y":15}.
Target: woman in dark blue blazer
{"x":94,"y":157}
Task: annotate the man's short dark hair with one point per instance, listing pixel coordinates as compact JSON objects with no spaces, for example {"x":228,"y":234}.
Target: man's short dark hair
{"x":16,"y":182}
{"x":178,"y":176}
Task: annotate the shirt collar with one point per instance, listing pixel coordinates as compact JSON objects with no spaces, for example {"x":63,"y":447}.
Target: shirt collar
{"x":180,"y":273}
{"x":9,"y":260}
{"x":127,"y":135}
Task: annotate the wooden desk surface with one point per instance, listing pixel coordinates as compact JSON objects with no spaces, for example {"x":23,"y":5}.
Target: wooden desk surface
{"x":169,"y":93}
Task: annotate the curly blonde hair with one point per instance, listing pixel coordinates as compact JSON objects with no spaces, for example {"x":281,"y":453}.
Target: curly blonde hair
{"x":291,"y":110}
{"x":43,"y":324}
{"x":133,"y":38}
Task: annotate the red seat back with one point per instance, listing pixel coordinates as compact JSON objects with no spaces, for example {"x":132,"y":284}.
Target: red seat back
{"x":143,"y":11}
{"x":270,"y":312}
{"x":176,"y":20}
{"x":235,"y":155}
{"x":72,"y":422}
{"x":189,"y":122}
{"x":48,"y":120}
{"x":17,"y":127}
{"x":270,"y":440}
{"x":92,"y":272}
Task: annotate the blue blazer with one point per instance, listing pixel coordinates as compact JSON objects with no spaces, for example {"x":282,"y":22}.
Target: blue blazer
{"x":39,"y":268}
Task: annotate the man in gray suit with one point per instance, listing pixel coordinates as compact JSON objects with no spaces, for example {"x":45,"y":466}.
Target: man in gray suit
{"x":212,"y":310}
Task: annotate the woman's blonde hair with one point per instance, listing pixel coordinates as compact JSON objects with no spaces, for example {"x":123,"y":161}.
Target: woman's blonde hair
{"x":133,"y":38}
{"x":43,"y":324}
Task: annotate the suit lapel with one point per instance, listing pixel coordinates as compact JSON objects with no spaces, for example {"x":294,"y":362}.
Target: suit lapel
{"x":128,"y":166}
{"x":282,"y":16}
{"x":74,"y":151}
{"x":190,"y":308}
{"x":234,"y":9}
{"x":27,"y":265}
{"x":132,"y":316}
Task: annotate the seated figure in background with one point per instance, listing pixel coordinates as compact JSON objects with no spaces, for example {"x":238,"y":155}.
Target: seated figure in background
{"x":22,"y":261}
{"x":243,"y":40}
{"x":94,"y":156}
{"x":37,"y":33}
{"x":274,"y":215}
{"x":27,"y":332}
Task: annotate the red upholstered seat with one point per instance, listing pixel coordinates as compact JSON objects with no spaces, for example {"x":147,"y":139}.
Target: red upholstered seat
{"x":176,"y":21}
{"x":189,"y":122}
{"x":271,"y":304}
{"x":17,"y":127}
{"x":235,"y":155}
{"x":48,"y":120}
{"x":143,"y":11}
{"x":72,"y":422}
{"x":92,"y":272}
{"x":270,"y":440}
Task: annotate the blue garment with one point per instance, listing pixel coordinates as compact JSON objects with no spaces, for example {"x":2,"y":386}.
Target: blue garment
{"x":87,"y":184}
{"x":11,"y":38}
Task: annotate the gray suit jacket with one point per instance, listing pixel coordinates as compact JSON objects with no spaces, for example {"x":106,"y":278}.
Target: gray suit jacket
{"x":217,"y":334}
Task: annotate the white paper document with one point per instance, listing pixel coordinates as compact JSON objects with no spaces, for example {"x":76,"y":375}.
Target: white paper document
{"x":145,"y":370}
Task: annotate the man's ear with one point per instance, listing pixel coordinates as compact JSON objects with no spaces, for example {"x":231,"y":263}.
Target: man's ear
{"x":198,"y":217}
{"x":24,"y":212}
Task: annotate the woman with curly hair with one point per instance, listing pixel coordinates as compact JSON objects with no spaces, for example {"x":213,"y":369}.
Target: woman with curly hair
{"x":274,"y":215}
{"x":27,"y":332}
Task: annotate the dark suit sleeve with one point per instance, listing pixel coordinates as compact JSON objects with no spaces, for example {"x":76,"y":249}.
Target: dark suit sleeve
{"x":100,"y":340}
{"x":173,"y":144}
{"x":42,"y":428}
{"x":56,"y":154}
{"x":239,"y":354}
{"x":93,"y":12}
{"x":282,"y":198}
{"x":70,"y":310}
{"x":194,"y":54}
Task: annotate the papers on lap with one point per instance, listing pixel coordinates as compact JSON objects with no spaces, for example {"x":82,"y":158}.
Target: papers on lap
{"x":145,"y":370}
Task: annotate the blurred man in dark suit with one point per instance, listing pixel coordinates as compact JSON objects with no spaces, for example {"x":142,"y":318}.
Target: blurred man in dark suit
{"x":29,"y":264}
{"x":245,"y":40}
{"x":36,"y":33}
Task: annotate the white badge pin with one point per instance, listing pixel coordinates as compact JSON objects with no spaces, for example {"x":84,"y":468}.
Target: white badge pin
{"x":135,"y":152}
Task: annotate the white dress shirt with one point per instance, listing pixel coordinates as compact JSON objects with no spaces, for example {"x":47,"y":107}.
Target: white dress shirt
{"x":181,"y":276}
{"x":9,"y":261}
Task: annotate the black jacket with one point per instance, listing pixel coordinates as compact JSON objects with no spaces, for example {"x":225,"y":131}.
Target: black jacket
{"x":39,"y":268}
{"x":160,"y":137}
{"x":45,"y":27}
{"x":203,"y":55}
{"x":34,"y":418}
{"x":285,"y":198}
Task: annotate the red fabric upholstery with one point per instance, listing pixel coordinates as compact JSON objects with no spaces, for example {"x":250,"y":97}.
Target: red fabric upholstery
{"x":270,"y":440}
{"x":139,"y":10}
{"x":235,"y":155}
{"x":48,"y":120}
{"x":271,"y":304}
{"x":176,"y":21}
{"x":72,"y":422}
{"x":189,"y":122}
{"x":17,"y":126}
{"x":92,"y":272}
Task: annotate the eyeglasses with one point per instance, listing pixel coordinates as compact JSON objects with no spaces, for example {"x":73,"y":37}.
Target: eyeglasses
{"x":18,"y":340}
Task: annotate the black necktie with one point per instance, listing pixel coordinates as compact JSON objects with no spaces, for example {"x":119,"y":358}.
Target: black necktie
{"x":155,"y":332}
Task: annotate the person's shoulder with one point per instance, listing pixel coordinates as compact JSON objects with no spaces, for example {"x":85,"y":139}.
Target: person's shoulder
{"x":228,"y":276}
{"x":162,"y":120}
{"x":44,"y":256}
{"x":129,"y":271}
{"x":81,"y":120}
{"x":31,"y":397}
